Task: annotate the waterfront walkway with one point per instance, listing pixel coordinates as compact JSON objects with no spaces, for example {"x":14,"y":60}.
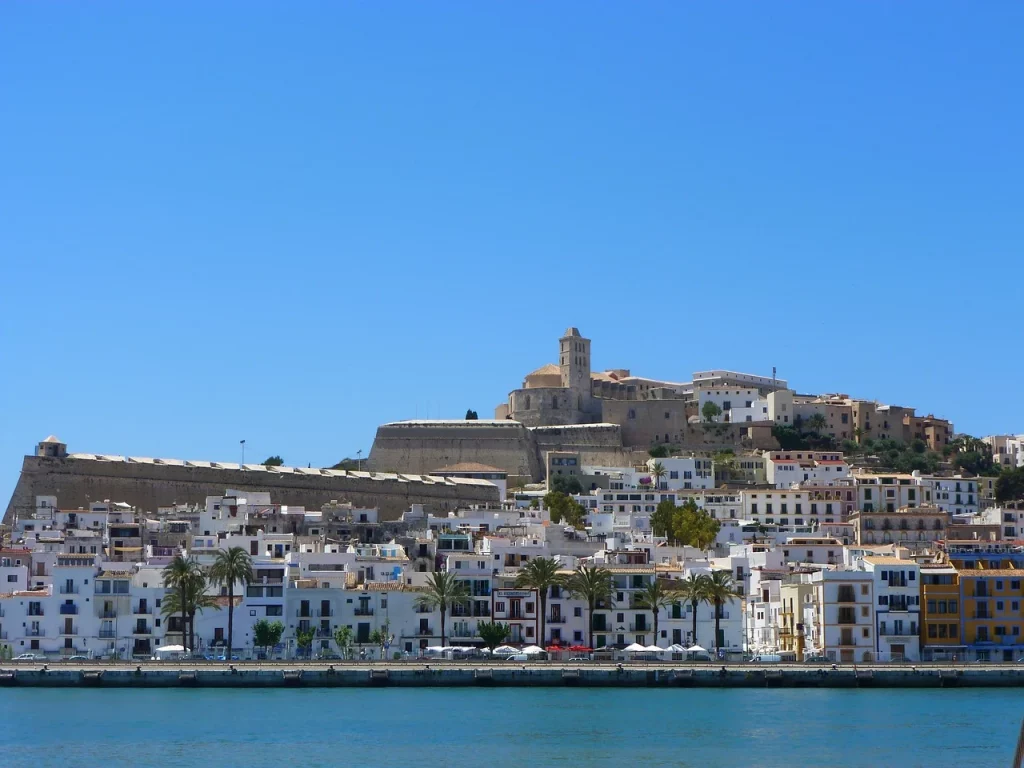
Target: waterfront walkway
{"x":427,"y":672}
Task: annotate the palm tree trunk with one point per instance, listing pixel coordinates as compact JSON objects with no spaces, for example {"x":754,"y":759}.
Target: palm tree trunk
{"x":543,"y":614}
{"x":717,"y":618}
{"x":693,"y":606}
{"x":184,"y":618}
{"x":655,"y":612}
{"x":590,"y":625}
{"x":231,"y":619}
{"x":443,"y":612}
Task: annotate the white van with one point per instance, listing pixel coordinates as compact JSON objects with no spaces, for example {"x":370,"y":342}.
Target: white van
{"x":520,"y":657}
{"x":767,"y":658}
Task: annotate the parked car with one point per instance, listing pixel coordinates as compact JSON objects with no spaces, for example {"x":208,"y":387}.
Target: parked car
{"x":576,"y":659}
{"x":520,"y":657}
{"x":329,"y":656}
{"x":78,"y":658}
{"x":766,"y":658}
{"x":30,"y":657}
{"x":816,"y":659}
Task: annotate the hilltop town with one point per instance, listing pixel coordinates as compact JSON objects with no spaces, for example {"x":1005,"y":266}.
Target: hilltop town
{"x":597,"y":515}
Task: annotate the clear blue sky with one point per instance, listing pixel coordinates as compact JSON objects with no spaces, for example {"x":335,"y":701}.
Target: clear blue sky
{"x":290,"y":222}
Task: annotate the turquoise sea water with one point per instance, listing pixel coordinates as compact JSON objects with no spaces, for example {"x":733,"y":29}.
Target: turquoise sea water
{"x":497,"y":727}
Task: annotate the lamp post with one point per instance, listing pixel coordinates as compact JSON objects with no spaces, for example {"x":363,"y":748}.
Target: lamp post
{"x":359,"y":460}
{"x":242,"y":443}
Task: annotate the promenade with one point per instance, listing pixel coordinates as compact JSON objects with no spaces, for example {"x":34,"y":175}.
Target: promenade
{"x":423,"y":673}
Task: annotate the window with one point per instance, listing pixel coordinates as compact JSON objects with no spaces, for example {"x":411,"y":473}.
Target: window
{"x":12,"y":577}
{"x":865,"y":632}
{"x":275,"y":610}
{"x":863,"y":589}
{"x":933,"y":631}
{"x":576,"y":612}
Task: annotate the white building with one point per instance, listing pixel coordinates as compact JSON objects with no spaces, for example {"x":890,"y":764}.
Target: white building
{"x":897,"y":588}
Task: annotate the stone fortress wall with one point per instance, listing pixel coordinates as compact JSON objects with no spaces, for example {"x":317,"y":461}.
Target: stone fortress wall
{"x":427,"y":446}
{"x":77,"y":479}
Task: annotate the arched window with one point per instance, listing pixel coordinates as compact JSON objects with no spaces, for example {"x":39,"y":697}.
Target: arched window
{"x":527,"y":402}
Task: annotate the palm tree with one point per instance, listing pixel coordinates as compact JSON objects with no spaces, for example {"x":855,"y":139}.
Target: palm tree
{"x":229,"y":567}
{"x":694,"y":590}
{"x":541,"y":574}
{"x":189,"y":599}
{"x":816,"y":422}
{"x":176,"y":575}
{"x":721,"y":590}
{"x":658,"y":472}
{"x":654,"y":597}
{"x":443,"y":591}
{"x":594,"y":585}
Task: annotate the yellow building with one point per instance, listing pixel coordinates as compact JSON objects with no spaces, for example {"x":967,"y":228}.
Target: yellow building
{"x":794,"y":598}
{"x":992,"y":624}
{"x":940,"y":612}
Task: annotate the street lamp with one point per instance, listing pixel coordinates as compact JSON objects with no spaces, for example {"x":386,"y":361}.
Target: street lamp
{"x":242,"y":442}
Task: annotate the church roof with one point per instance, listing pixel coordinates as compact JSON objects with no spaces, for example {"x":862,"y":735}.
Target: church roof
{"x":546,"y":370}
{"x":53,"y":439}
{"x":571,"y":331}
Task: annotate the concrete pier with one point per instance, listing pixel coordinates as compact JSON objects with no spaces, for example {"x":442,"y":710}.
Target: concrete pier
{"x":478,"y":674}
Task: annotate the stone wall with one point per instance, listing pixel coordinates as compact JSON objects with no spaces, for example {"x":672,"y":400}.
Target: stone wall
{"x":426,"y":446}
{"x":548,"y":406}
{"x":76,"y":481}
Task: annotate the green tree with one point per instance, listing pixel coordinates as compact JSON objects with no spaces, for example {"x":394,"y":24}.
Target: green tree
{"x":273,"y":461}
{"x":1010,"y":485}
{"x":188,"y":599}
{"x":379,"y":637}
{"x":724,"y":463}
{"x":443,"y":591}
{"x":231,"y":566}
{"x":304,"y":639}
{"x":562,"y":507}
{"x":343,"y":639}
{"x":790,"y":439}
{"x":657,"y":472}
{"x":492,"y":633}
{"x":663,"y":519}
{"x":710,"y":411}
{"x":267,"y":634}
{"x":694,"y":590}
{"x":816,"y":423}
{"x":176,"y":575}
{"x":721,"y":590}
{"x":541,"y":574}
{"x":658,"y":452}
{"x":654,"y":597}
{"x":594,"y":585}
{"x":471,"y":415}
{"x":693,"y":527}
{"x":565,"y":484}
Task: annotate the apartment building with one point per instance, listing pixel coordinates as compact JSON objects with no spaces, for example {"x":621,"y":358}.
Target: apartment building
{"x":842,"y":623}
{"x":897,"y":589}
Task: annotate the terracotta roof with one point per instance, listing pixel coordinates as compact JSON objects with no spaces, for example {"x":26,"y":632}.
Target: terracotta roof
{"x":981,"y":572}
{"x":383,"y":586}
{"x":545,"y":370}
{"x":883,"y":560}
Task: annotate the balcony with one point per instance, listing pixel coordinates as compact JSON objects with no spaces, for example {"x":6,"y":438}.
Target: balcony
{"x":69,"y":589}
{"x":142,"y":630}
{"x":3,"y":635}
{"x":69,"y":629}
{"x":108,"y":614}
{"x":324,"y":633}
{"x":304,"y":613}
{"x":325,"y":614}
{"x":35,"y":632}
{"x":107,"y":634}
{"x":556,"y":619}
{"x":69,"y":610}
{"x":142,"y":610}
{"x":363,"y":612}
{"x":35,"y":612}
{"x":640,"y":628}
{"x":890,"y":632}
{"x":424,"y":632}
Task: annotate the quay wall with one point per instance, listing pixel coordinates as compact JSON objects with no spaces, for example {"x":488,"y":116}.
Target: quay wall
{"x":241,"y":675}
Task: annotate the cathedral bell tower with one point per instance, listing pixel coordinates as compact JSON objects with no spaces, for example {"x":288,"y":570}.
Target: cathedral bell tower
{"x":574,"y":361}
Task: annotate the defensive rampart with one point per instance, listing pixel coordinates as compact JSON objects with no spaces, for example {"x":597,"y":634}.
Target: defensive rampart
{"x":149,"y":483}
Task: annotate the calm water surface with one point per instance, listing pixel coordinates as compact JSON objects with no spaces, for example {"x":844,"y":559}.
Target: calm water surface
{"x":475,"y":727}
